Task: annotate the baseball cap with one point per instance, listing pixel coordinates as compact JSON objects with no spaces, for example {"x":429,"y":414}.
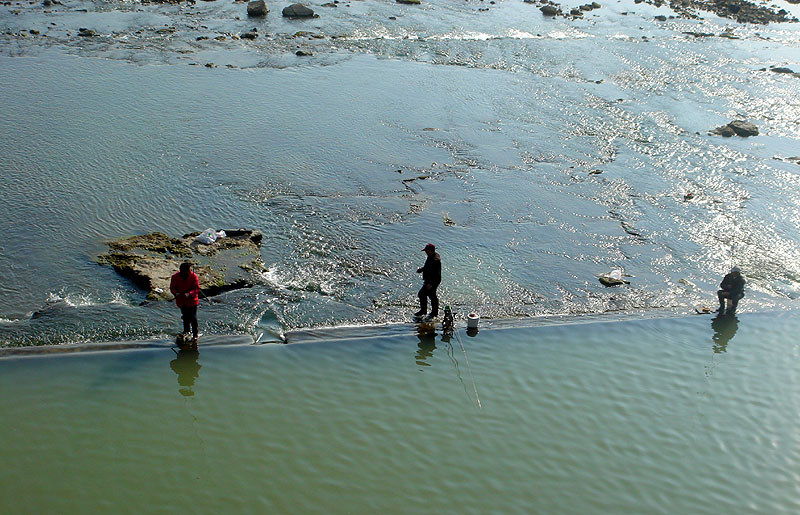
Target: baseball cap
{"x":429,"y":246}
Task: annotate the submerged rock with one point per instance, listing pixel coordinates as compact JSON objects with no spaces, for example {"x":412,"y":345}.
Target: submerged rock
{"x":297,"y":11}
{"x":151,"y":259}
{"x":257,"y":8}
{"x":86,"y":33}
{"x":415,"y":2}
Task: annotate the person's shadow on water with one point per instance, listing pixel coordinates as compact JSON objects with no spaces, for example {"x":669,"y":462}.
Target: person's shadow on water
{"x":724,"y":327}
{"x":425,"y":347}
{"x":187,"y":368}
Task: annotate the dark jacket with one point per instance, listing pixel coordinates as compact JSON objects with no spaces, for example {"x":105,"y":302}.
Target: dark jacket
{"x":733,"y":283}
{"x":432,"y":270}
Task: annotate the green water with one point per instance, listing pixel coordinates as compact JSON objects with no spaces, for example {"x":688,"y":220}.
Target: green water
{"x":684,"y":415}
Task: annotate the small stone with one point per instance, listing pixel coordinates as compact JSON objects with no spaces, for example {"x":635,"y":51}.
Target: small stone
{"x":660,"y":17}
{"x":781,"y":69}
{"x":249,"y":35}
{"x":86,"y":33}
{"x":303,"y":53}
{"x":415,"y":2}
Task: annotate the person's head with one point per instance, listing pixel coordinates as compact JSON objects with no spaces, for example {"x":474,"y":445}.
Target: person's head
{"x":735,"y":270}
{"x":430,"y":249}
{"x":186,"y":267}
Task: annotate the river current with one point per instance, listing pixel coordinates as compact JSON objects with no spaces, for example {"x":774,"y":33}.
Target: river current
{"x":535,"y":153}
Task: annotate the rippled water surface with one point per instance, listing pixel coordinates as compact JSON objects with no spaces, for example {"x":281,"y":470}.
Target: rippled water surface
{"x":691,"y":415}
{"x":536,"y":153}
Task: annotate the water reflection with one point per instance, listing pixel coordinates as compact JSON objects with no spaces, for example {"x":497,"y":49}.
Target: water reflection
{"x":724,"y":327}
{"x":425,"y":348}
{"x":426,"y":333}
{"x":187,"y":368}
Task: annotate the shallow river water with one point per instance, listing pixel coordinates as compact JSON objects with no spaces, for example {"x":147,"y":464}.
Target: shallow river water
{"x":536,"y":153}
{"x":687,"y":415}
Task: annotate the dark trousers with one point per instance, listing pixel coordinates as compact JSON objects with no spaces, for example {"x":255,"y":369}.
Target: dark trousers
{"x":733,"y":301}
{"x":189,"y":315}
{"x":425,"y":292}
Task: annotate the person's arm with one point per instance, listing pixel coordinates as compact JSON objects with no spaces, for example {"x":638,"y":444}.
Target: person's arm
{"x":195,"y":288}
{"x":173,"y":289}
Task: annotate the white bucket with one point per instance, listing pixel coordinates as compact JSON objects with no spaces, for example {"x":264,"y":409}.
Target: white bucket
{"x":472,"y":321}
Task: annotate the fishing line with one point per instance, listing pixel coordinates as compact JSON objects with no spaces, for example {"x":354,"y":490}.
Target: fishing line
{"x":451,"y":355}
{"x":469,"y":369}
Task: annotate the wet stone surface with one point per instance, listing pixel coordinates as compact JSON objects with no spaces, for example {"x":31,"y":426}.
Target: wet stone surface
{"x":149,"y":260}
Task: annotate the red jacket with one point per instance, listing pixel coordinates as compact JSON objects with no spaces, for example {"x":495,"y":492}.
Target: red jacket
{"x":190,"y":285}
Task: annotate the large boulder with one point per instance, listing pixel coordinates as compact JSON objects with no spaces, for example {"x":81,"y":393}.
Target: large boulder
{"x":150,"y":260}
{"x":297,"y":11}
{"x":743,"y":129}
{"x":257,"y":8}
{"x":549,"y":10}
{"x":736,"y":127}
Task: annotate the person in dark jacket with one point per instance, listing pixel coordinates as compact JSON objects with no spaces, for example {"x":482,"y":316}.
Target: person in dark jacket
{"x":732,"y":289}
{"x":185,"y":286}
{"x":431,"y":276}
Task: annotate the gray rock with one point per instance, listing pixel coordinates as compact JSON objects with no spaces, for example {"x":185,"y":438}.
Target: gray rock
{"x":249,"y":35}
{"x":150,"y":260}
{"x":297,"y":11}
{"x":725,"y":131}
{"x":736,"y":127}
{"x":257,"y":8}
{"x":86,"y":33}
{"x":743,"y":128}
{"x":414,"y":2}
{"x":549,"y":10}
{"x":781,"y":69}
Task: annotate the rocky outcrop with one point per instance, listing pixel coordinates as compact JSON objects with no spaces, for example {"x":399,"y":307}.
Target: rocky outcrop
{"x":298,"y":11}
{"x":257,"y":8}
{"x":150,"y":260}
{"x":743,"y":11}
{"x":736,"y":128}
{"x":550,"y":8}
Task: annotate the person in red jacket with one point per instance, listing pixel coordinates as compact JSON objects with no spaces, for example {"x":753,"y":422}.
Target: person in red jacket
{"x":185,"y":286}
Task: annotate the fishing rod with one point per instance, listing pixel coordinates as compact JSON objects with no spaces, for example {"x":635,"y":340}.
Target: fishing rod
{"x":469,"y":369}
